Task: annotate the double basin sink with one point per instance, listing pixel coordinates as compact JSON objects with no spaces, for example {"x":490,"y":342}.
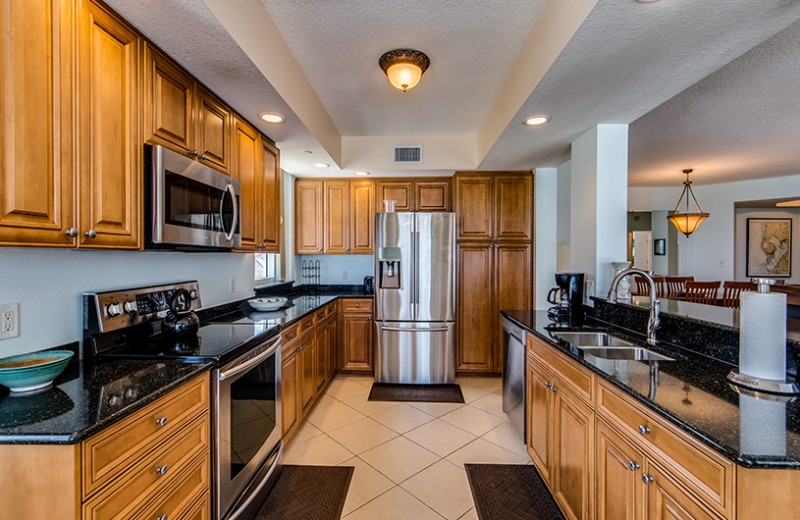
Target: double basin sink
{"x":605,"y":346}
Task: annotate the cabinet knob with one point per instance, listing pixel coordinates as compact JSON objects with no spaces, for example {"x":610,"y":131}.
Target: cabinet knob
{"x":553,"y":388}
{"x":162,"y":517}
{"x":203,"y":157}
{"x":320,"y":250}
{"x":91,"y":233}
{"x":71,"y":232}
{"x":547,"y":385}
{"x":647,"y":478}
{"x":357,"y":306}
{"x":347,"y":251}
{"x":633,"y":465}
{"x":161,"y":421}
{"x":644,"y":430}
{"x":162,"y":470}
{"x":193,"y":153}
{"x":369,"y":318}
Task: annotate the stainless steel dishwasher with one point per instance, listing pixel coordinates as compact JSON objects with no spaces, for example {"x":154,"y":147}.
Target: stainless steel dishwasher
{"x":514,"y":340}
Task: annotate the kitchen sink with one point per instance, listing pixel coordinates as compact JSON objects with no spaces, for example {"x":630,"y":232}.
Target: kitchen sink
{"x":592,"y":339}
{"x":629,"y":353}
{"x":605,"y":346}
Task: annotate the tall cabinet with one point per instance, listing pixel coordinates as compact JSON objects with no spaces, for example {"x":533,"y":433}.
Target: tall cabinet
{"x":494,"y":236}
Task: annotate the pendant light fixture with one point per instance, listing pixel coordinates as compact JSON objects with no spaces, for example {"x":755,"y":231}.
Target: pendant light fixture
{"x":404,"y":67}
{"x":687,"y":222}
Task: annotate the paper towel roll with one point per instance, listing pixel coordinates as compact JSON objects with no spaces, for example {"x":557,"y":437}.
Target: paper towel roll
{"x":762,"y":335}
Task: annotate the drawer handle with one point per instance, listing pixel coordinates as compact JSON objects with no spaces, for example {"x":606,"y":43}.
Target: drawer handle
{"x":647,"y":478}
{"x":321,"y":315}
{"x":357,"y":306}
{"x":644,"y":430}
{"x":547,"y":385}
{"x":301,"y":348}
{"x":310,"y":323}
{"x":162,"y":470}
{"x":633,"y":465}
{"x":290,"y":336}
{"x":161,"y":421}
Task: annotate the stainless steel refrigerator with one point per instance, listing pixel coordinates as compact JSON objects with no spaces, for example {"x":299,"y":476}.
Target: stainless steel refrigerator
{"x":415,"y":296}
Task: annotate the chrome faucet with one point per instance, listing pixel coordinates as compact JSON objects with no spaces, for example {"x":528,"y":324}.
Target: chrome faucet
{"x":655,"y":305}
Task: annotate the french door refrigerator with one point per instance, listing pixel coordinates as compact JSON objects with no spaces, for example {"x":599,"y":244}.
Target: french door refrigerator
{"x":415,"y":298}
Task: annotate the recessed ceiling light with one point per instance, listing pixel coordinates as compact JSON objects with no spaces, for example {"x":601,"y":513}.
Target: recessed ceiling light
{"x":537,"y":120}
{"x":321,"y":165}
{"x":272,"y":117}
{"x":308,"y":152}
{"x":363,"y":174}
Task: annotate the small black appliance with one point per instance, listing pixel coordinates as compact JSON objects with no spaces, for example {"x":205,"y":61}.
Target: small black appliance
{"x":569,"y":293}
{"x":369,"y":284}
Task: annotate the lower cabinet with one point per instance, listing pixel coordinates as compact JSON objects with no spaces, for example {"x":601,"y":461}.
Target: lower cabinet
{"x":289,"y":396}
{"x":620,"y":493}
{"x":357,"y":334}
{"x":305,"y":372}
{"x":153,"y":464}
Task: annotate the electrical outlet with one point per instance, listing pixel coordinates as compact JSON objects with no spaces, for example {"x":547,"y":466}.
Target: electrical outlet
{"x":344,"y":274}
{"x":233,"y":285}
{"x":9,"y":321}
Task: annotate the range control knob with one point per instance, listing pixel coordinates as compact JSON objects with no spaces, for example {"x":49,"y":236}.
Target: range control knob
{"x":130,"y":307}
{"x":113,"y":309}
{"x":193,"y":294}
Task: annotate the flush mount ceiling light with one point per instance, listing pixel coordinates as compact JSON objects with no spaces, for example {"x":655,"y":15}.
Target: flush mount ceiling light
{"x":688,"y":221}
{"x":321,"y":165}
{"x":537,"y":120}
{"x":272,"y":117}
{"x":404,"y":67}
{"x":363,"y":174}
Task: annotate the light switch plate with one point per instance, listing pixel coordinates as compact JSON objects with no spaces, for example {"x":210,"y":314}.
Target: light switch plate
{"x":9,"y":320}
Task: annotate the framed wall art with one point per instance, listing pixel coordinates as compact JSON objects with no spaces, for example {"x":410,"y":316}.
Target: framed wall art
{"x":660,"y":246}
{"x":769,"y":247}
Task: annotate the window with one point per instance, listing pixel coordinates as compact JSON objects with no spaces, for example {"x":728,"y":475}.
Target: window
{"x":267,"y":266}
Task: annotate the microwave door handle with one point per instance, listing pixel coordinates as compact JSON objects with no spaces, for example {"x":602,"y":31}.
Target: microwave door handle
{"x":229,"y":234}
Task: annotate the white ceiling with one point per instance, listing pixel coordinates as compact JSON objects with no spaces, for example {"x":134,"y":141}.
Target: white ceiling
{"x":625,"y":60}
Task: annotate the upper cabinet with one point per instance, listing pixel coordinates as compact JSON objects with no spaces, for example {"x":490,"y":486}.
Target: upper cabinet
{"x":183,"y":116}
{"x":494,"y":206}
{"x":345,"y":207}
{"x":270,"y":197}
{"x":247,"y":151}
{"x":428,"y":194}
{"x":71,"y":171}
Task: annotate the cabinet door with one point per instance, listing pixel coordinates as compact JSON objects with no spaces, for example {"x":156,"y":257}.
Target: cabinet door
{"x":289,"y":394}
{"x":305,"y":373}
{"x":474,"y":307}
{"x":213,"y":131}
{"x":620,"y":493}
{"x":432,"y":195}
{"x":333,"y":341}
{"x":473,"y":207}
{"x":308,"y":217}
{"x":513,"y":206}
{"x":397,"y":190}
{"x":362,"y":225}
{"x":337,"y":217}
{"x":246,"y":169}
{"x":270,"y":197}
{"x":357,"y":348}
{"x":513,"y":285}
{"x":321,"y":359}
{"x":572,"y":454}
{"x":109,"y":152}
{"x":539,"y":421}
{"x":169,"y":103}
{"x":36,"y":130}
{"x":668,"y":500}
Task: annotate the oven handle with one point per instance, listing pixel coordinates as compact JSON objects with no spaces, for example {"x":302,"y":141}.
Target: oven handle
{"x":235,"y":514}
{"x":250,"y":362}
{"x":229,"y":189}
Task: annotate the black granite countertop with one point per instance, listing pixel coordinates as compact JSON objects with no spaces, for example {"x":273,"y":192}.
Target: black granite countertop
{"x":694,"y":394}
{"x":87,"y":398}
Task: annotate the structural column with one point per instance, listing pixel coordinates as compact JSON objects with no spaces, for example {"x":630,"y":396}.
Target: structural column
{"x":545,"y":191}
{"x":599,"y":203}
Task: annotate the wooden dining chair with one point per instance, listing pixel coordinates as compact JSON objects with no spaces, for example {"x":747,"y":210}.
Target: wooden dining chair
{"x":643,"y":288}
{"x":676,"y":285}
{"x":702,"y":292}
{"x":732,"y":290}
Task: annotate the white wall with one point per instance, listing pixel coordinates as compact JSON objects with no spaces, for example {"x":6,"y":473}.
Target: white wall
{"x":740,"y":243}
{"x":563,"y":216}
{"x":708,"y":254}
{"x":332,"y":267}
{"x":48,"y":283}
{"x":545,"y":205}
{"x":288,"y":227}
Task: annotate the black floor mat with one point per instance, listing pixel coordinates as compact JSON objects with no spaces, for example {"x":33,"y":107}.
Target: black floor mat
{"x":424,"y":393}
{"x":510,"y":492}
{"x":308,"y":493}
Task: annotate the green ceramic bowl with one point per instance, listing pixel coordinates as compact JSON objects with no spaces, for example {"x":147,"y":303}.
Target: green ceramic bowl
{"x":32,"y":371}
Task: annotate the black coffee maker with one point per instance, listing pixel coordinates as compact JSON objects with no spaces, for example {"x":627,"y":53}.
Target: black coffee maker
{"x":567,"y":298}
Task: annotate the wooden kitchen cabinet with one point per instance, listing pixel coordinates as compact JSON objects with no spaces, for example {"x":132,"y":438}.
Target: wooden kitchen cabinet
{"x":308,"y":216}
{"x":432,"y":194}
{"x":212,"y":130}
{"x":321,"y":356}
{"x":246,"y":170}
{"x":473,"y":205}
{"x":620,"y":493}
{"x":362,"y":217}
{"x":269,"y":194}
{"x":290,"y":417}
{"x":417,"y":194}
{"x":357,"y":327}
{"x":337,"y":217}
{"x":50,"y":196}
{"x":305,"y":372}
{"x":494,"y":206}
{"x":399,"y":190}
{"x":333,"y":346}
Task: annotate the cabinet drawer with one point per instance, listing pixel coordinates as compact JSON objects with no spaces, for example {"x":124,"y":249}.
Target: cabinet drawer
{"x":180,"y":499}
{"x":200,"y":510}
{"x":320,"y":314}
{"x":110,"y":452}
{"x":357,"y":305}
{"x":578,"y":380}
{"x":307,"y":323}
{"x":332,"y":309}
{"x":705,"y":472}
{"x":143,"y":482}
{"x":289,"y":334}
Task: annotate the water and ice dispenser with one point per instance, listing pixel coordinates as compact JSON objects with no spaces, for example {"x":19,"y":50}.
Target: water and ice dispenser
{"x":389,"y":267}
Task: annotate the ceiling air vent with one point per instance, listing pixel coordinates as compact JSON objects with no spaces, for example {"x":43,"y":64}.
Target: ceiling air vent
{"x":407,"y":154}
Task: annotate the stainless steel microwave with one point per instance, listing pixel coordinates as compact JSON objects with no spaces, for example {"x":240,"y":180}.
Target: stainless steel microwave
{"x":188,"y":204}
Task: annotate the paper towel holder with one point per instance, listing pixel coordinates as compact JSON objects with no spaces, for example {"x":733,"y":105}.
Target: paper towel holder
{"x":787,"y":387}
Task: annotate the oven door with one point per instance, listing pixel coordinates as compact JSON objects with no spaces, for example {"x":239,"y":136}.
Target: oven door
{"x":248,"y":424}
{"x":192,"y":205}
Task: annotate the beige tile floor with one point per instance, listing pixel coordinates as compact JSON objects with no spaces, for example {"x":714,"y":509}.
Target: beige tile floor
{"x":408,"y":457}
